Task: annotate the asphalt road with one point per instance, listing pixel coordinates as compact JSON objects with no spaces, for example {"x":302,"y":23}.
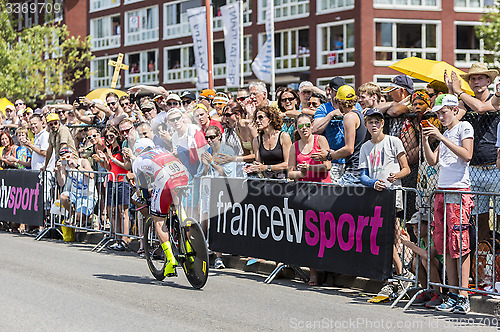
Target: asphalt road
{"x":53,"y":286}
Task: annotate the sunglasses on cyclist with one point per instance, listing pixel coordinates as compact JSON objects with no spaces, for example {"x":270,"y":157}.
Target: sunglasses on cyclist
{"x":306,"y":125}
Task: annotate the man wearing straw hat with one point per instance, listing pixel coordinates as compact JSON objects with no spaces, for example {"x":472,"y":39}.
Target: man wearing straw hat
{"x":483,"y":172}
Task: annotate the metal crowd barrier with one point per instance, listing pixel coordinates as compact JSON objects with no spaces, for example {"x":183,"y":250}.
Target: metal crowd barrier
{"x":483,"y":260}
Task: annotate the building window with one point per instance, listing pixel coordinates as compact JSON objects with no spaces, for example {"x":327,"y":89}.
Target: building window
{"x":96,"y":5}
{"x":141,"y":26}
{"x":328,"y":6}
{"x":396,"y":41}
{"x":143,"y":68}
{"x":323,"y":82}
{"x":473,"y":5}
{"x":175,"y":18}
{"x":469,"y":48}
{"x":130,"y":1}
{"x":284,"y":9}
{"x":102,"y":73}
{"x":291,"y":49}
{"x":217,"y":21}
{"x":179,"y":64}
{"x":335,"y":44}
{"x":105,"y":32}
{"x":407,"y":4}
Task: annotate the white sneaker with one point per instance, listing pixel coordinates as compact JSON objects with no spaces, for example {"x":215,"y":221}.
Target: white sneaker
{"x":219,"y":264}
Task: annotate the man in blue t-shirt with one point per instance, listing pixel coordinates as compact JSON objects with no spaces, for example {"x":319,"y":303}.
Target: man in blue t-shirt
{"x":328,"y":122}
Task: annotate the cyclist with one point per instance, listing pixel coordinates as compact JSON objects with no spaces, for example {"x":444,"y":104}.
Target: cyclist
{"x":157,"y":173}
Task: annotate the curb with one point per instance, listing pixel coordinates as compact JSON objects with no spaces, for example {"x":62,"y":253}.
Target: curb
{"x":479,"y":303}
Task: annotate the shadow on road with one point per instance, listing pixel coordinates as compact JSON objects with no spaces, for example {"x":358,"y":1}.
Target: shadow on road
{"x":141,"y":280}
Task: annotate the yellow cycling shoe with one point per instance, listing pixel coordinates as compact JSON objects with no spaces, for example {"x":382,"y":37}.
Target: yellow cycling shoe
{"x":170,"y":270}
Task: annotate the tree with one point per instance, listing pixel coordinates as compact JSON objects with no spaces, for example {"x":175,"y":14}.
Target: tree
{"x":489,"y":31}
{"x":40,"y":62}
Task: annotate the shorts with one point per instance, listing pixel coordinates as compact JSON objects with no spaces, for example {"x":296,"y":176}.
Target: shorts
{"x":486,"y":179}
{"x":161,"y":197}
{"x":452,"y":222}
{"x":349,"y":178}
{"x":121,"y":194}
{"x":83,"y":204}
{"x":336,"y":171}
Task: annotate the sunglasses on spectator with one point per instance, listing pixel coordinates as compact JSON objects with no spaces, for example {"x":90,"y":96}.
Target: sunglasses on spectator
{"x":173,"y":103}
{"x":60,"y":112}
{"x":8,"y":111}
{"x":210,"y":137}
{"x":306,"y":92}
{"x":175,"y":119}
{"x":186,"y":102}
{"x":52,"y":123}
{"x":204,"y":98}
{"x":18,"y":104}
{"x":125,"y":131}
{"x":92,"y":136}
{"x":159,"y":98}
{"x":146,"y":110}
{"x":314,"y":104}
{"x":227,"y":114}
{"x":284,"y":100}
{"x":307,"y":125}
{"x":125,"y":104}
{"x":220,"y":104}
{"x":112,"y":103}
{"x":110,"y":136}
{"x":240,"y":99}
{"x":261,"y":117}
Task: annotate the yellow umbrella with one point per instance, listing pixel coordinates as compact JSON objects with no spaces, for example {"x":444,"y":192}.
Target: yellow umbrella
{"x":429,"y":70}
{"x":102,"y":92}
{"x":3,"y":103}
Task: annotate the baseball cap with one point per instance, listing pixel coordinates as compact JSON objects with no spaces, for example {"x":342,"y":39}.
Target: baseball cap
{"x":373,"y":112}
{"x":173,"y":111}
{"x":208,"y":93}
{"x":304,"y":84}
{"x":188,"y":94}
{"x":346,"y":92}
{"x":336,"y":83}
{"x":221,"y":97}
{"x":52,"y":117}
{"x":444,"y":100}
{"x":415,"y":217}
{"x":400,"y":81}
{"x":10,"y":107}
{"x":174,"y":96}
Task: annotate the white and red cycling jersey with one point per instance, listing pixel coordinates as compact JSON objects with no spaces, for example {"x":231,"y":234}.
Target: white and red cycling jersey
{"x":162,"y":171}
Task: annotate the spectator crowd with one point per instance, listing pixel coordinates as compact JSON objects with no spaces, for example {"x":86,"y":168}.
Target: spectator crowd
{"x":377,"y":137}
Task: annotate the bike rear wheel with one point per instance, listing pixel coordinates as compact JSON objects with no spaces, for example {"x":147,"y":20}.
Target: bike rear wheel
{"x":153,"y":251}
{"x":194,"y":252}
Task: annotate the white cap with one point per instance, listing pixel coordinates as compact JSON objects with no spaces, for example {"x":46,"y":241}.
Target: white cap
{"x":445,"y":100}
{"x":304,"y":84}
{"x":174,"y":96}
{"x":173,"y":111}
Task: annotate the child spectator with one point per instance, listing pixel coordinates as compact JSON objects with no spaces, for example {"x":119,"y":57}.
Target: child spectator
{"x":383,"y":162}
{"x":453,"y":155}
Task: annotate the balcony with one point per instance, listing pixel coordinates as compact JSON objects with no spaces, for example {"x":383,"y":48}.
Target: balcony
{"x":105,"y":42}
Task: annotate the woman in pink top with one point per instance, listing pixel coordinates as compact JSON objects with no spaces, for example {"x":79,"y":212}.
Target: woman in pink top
{"x":301,"y":166}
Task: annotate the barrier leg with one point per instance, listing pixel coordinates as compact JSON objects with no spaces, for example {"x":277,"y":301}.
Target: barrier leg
{"x":275,"y":272}
{"x":413,"y":299}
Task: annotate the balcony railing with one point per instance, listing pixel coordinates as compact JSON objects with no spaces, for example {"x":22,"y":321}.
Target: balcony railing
{"x":292,"y":62}
{"x":141,"y":36}
{"x":150,"y":77}
{"x":105,"y":42}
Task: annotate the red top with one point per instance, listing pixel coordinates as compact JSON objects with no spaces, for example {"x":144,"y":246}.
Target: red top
{"x":301,"y":158}
{"x":214,"y":123}
{"x":115,"y":169}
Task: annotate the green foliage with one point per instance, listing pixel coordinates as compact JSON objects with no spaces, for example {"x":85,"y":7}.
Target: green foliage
{"x":489,"y":31}
{"x":40,"y":62}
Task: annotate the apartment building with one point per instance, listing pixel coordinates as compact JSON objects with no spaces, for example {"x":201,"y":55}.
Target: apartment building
{"x":314,"y":40}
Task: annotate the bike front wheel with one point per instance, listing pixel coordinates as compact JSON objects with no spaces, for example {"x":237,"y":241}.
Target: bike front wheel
{"x":153,"y":251}
{"x":193,"y":248}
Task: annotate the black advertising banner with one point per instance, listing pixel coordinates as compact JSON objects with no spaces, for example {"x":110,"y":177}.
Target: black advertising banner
{"x":348,"y":230}
{"x":21,"y":197}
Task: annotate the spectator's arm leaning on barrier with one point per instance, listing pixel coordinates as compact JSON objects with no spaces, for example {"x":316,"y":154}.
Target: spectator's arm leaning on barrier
{"x":258,"y":166}
{"x":454,"y":87}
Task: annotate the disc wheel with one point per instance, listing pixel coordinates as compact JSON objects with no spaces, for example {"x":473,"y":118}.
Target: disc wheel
{"x":153,"y":251}
{"x":193,"y":248}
